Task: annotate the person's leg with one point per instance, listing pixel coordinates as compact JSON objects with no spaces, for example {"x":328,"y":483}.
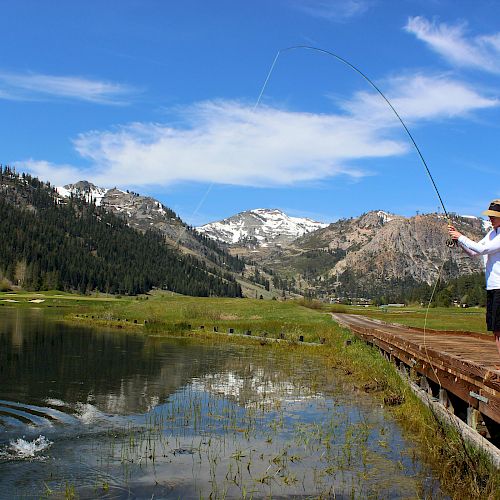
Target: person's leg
{"x":495,"y":317}
{"x":491,"y":309}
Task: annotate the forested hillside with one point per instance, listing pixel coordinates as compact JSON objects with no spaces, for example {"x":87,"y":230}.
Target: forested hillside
{"x":144,"y":213}
{"x":466,"y":290}
{"x":48,"y":242}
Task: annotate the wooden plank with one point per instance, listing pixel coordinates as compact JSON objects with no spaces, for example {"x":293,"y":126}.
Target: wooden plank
{"x":458,"y":361}
{"x":454,"y":361}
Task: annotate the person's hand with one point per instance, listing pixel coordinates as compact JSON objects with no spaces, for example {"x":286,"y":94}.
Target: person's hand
{"x":454,"y":234}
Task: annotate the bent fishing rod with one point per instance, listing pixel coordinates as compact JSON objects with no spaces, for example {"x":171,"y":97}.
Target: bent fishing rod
{"x":357,"y":70}
{"x":450,"y":243}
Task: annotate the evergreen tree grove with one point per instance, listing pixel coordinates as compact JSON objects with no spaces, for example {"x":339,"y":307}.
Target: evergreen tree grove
{"x":73,"y":245}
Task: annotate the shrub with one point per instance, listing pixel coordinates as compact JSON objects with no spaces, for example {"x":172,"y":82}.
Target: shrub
{"x":5,"y":285}
{"x":310,"y":303}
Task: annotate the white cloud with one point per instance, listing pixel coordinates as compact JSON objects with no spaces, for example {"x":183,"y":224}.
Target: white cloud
{"x":56,"y":174}
{"x":32,"y":86}
{"x":333,"y":10}
{"x":229,"y":143}
{"x":419,"y":97}
{"x":452,"y":43}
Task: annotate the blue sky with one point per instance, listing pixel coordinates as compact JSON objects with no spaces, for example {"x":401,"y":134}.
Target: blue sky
{"x":160,"y":97}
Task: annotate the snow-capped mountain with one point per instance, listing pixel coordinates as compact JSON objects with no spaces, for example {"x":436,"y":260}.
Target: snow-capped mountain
{"x":377,"y":247}
{"x":146,"y":213}
{"x":260,"y":227}
{"x":141,"y":212}
{"x":85,"y":189}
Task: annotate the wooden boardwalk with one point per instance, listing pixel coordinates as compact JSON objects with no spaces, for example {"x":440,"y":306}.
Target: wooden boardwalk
{"x":457,"y":368}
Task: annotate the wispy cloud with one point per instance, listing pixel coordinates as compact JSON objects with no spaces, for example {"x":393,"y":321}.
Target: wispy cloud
{"x":226,"y":142}
{"x":56,"y":174}
{"x":453,"y":43}
{"x":419,"y":97}
{"x":229,"y":143}
{"x":333,"y":10}
{"x":33,"y":86}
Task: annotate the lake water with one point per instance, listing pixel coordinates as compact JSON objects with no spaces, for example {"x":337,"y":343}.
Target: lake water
{"x":88,"y":413}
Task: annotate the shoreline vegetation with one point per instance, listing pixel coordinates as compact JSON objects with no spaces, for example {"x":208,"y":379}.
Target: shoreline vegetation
{"x":464,"y":472}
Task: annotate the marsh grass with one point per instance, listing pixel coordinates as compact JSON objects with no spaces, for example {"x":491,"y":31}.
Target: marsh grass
{"x":172,"y":314}
{"x":463,"y":471}
{"x":246,"y":444}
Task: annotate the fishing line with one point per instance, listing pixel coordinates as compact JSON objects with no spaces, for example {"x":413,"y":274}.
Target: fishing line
{"x":357,"y":70}
{"x":431,"y":298}
{"x":450,"y":242}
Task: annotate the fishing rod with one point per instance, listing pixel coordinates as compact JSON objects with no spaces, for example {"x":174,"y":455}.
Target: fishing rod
{"x":449,"y":243}
{"x":357,"y":70}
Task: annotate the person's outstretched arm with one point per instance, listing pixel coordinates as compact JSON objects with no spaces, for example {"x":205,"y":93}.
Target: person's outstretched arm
{"x":483,"y":247}
{"x":456,"y":235}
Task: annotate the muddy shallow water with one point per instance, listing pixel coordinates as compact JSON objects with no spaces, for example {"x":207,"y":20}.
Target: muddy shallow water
{"x":100,"y":414}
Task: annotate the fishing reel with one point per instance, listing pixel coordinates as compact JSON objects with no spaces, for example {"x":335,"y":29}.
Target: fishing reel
{"x":450,"y":243}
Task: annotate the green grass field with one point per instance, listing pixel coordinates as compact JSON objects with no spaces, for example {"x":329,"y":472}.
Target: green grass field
{"x":166,"y":313}
{"x":438,"y":318}
{"x":163,"y":309}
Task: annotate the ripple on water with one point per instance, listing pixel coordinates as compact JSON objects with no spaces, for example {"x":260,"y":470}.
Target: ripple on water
{"x":87,"y":413}
{"x":13,"y":412}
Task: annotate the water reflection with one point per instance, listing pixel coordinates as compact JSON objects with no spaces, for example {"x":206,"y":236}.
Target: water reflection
{"x":126,"y":416}
{"x":43,"y":360}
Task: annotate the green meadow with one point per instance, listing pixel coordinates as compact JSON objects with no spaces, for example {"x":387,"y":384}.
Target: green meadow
{"x":175,"y":314}
{"x":436,"y":318}
{"x":163,"y":310}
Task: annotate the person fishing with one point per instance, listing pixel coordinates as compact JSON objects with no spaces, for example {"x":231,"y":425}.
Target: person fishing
{"x":489,"y":249}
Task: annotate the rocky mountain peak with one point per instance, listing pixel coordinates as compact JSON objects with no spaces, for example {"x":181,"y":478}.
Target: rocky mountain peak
{"x":84,"y":189}
{"x":376,"y":249}
{"x":259,"y":227}
{"x":375,"y":218}
{"x":82,"y":186}
{"x":141,"y":212}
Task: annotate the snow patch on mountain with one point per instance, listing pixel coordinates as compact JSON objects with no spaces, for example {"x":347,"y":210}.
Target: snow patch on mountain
{"x":385,"y":217}
{"x":486,"y":224}
{"x":84,"y":189}
{"x":260,"y":227}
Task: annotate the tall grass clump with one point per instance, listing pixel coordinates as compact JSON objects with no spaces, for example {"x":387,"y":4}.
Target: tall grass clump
{"x":464,"y":471}
{"x":5,"y":285}
{"x":311,"y":304}
{"x":338,"y":308}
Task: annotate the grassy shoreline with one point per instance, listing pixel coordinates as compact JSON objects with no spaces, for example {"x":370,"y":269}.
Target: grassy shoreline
{"x":463,"y":471}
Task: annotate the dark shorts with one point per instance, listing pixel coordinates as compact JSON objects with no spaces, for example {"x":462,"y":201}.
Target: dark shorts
{"x":493,"y":310}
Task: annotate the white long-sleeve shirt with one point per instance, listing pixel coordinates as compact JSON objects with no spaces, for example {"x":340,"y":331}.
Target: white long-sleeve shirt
{"x":489,"y":249}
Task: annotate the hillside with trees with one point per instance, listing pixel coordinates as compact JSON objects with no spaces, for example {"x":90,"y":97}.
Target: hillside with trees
{"x":71,"y":244}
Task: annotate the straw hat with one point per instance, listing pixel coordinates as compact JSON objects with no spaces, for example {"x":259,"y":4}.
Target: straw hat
{"x":493,"y":209}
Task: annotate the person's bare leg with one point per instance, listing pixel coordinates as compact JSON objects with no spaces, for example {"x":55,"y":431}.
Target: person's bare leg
{"x":497,"y":342}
